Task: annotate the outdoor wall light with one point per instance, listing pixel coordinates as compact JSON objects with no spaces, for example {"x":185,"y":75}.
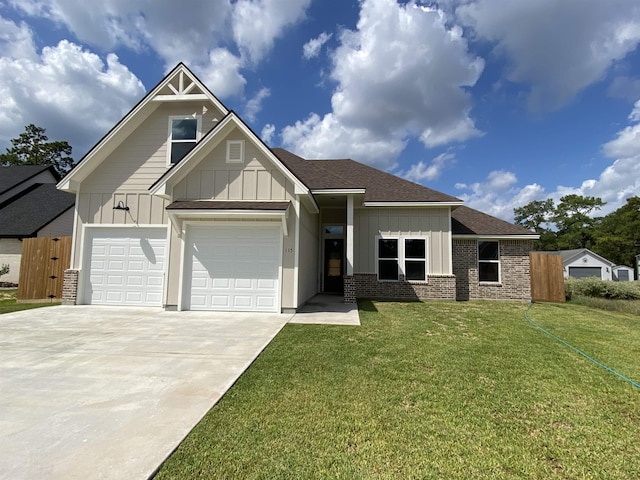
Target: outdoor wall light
{"x":121,"y":206}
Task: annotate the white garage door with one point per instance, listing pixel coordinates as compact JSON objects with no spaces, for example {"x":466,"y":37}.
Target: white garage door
{"x":125,"y":266}
{"x":233,"y":268}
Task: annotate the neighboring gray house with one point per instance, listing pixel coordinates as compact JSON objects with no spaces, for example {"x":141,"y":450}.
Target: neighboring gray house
{"x":582,"y":263}
{"x":182,"y":205}
{"x":30,"y":206}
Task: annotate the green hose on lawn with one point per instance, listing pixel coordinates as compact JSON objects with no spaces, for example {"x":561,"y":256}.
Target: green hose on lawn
{"x":608,"y":369}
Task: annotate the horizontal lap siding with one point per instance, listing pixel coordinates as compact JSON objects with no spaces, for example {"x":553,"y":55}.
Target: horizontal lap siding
{"x":142,"y":158}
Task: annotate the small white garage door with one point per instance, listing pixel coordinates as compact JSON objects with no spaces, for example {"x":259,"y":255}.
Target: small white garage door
{"x":233,"y":268}
{"x":125,"y":266}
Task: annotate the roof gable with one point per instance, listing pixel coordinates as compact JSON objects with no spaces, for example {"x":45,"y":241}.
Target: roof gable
{"x":570,"y":256}
{"x":206,"y":144}
{"x":25,"y":214}
{"x":13,"y":175}
{"x":180,"y":85}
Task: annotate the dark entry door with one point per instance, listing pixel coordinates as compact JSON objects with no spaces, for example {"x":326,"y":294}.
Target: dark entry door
{"x":333,"y":265}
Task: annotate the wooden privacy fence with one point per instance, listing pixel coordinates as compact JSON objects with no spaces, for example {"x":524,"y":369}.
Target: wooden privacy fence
{"x":547,"y":278}
{"x":42,"y":266}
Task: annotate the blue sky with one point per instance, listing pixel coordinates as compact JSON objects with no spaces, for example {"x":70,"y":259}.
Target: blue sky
{"x":498,"y":102}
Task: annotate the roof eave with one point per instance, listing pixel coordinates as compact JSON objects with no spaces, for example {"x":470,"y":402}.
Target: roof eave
{"x":495,"y":237}
{"x":412,"y":204}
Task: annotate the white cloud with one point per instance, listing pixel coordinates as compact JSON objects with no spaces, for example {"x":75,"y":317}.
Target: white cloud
{"x":557,"y":48}
{"x":312,"y":48}
{"x":258,"y":23}
{"x":254,"y":105}
{"x":499,"y":195}
{"x":325,"y":137}
{"x":267,"y":133}
{"x":203,"y":39}
{"x":221,"y":74}
{"x":69,"y":91}
{"x":400,"y":74}
{"x":16,"y":41}
{"x":422,"y":171}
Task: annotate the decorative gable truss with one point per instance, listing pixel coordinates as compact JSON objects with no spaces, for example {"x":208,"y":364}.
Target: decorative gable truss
{"x":180,"y":85}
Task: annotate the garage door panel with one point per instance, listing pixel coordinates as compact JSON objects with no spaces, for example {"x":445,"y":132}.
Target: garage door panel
{"x":236,"y":276}
{"x":126,"y":266}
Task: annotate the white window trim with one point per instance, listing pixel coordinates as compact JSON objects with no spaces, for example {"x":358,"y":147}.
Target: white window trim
{"x":425,"y":260}
{"x":230,"y":143}
{"x":499,"y":281}
{"x":170,"y":132}
{"x":402,"y":258}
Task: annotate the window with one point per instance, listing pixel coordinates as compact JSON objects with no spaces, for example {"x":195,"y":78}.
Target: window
{"x":404,"y":255}
{"x":183,"y":135}
{"x":388,"y":259}
{"x":235,"y":151}
{"x":415,"y":259}
{"x":488,"y":261}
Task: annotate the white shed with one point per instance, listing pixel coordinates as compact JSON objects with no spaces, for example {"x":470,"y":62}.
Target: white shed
{"x":622,"y":273}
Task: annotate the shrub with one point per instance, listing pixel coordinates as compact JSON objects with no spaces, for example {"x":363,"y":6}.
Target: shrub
{"x":593,"y":287}
{"x":4,"y":269}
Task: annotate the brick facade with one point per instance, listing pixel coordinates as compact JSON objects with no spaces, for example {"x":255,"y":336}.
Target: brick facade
{"x":515,"y":283}
{"x":70,"y":287}
{"x":366,"y":285}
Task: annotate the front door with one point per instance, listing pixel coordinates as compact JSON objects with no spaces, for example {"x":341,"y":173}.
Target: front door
{"x":333,"y":265}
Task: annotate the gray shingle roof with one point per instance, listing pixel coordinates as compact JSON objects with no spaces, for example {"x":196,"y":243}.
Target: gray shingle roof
{"x":13,"y":175}
{"x":25,"y":214}
{"x":467,"y":221}
{"x":349,"y":174}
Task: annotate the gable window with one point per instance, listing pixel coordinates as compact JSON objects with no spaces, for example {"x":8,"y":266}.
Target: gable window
{"x":235,"y":151}
{"x":404,"y":255}
{"x":488,"y":261}
{"x":183,"y":136}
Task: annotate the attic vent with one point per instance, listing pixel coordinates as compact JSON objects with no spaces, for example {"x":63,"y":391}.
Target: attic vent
{"x":235,"y":151}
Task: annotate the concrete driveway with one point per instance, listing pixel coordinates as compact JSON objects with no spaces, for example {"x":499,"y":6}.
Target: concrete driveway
{"x":109,"y":392}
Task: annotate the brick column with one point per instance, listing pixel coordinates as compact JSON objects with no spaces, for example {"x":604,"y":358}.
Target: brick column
{"x":349,"y":289}
{"x":70,"y":287}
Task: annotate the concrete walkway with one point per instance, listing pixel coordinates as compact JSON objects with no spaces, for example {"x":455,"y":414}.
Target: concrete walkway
{"x":326,"y":309}
{"x":109,"y":392}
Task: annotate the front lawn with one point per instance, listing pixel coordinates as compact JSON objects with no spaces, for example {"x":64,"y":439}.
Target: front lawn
{"x":430,"y":390}
{"x":9,"y":304}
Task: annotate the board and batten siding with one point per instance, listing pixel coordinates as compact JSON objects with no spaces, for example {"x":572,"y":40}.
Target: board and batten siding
{"x":215,"y":179}
{"x":430,"y":222}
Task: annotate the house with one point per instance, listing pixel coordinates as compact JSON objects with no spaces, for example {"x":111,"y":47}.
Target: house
{"x":622,"y":273}
{"x":30,"y":206}
{"x":181,"y":205}
{"x":582,"y":263}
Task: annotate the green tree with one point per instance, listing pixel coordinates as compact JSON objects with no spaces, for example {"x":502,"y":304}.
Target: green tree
{"x":32,"y":147}
{"x":537,"y":216}
{"x":575,"y":227}
{"x":618,"y":235}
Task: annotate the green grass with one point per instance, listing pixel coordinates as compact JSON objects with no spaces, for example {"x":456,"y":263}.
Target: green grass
{"x":430,"y":390}
{"x":614,"y":305}
{"x":9,"y":304}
